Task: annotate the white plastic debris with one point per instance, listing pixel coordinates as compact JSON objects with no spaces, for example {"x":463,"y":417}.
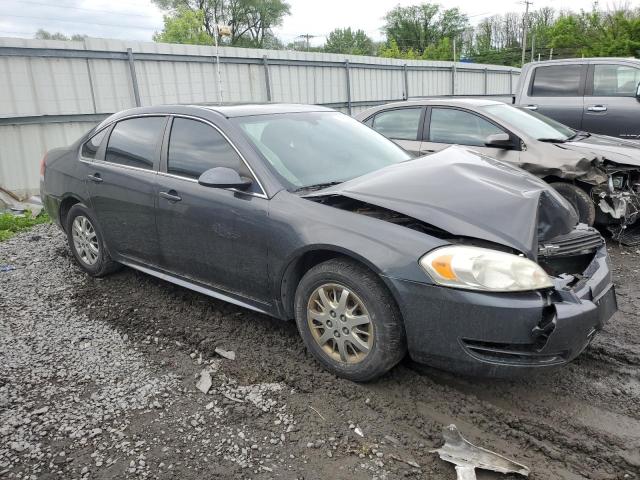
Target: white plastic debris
{"x":228,"y":354}
{"x":204,"y":382}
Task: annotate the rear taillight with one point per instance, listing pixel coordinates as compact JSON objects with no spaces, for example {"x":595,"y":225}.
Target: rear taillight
{"x":43,"y":166}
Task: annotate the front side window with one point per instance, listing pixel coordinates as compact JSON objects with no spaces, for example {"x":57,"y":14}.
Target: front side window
{"x":615,"y":81}
{"x":306,"y":149}
{"x":90,"y":148}
{"x":458,"y":127}
{"x":399,"y":124}
{"x":557,"y":81}
{"x":195,"y":147}
{"x":530,"y":123}
{"x":133,"y":142}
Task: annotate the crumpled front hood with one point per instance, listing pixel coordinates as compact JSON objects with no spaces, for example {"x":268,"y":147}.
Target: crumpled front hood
{"x":623,"y":152}
{"x":467,"y":194}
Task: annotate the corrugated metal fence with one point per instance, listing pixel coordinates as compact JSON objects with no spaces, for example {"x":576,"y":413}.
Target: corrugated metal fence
{"x":51,"y":92}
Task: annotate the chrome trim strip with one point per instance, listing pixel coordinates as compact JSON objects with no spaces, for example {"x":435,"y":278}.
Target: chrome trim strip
{"x":193,"y":286}
{"x":118,"y":165}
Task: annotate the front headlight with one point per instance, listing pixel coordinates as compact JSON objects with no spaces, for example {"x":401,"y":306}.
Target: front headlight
{"x":475,"y":268}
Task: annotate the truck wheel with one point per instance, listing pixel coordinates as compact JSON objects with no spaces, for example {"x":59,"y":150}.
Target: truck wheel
{"x":349,"y":321}
{"x":86,"y":242}
{"x":580,"y":201}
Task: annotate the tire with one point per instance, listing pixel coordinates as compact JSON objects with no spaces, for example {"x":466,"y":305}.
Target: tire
{"x":580,"y":201}
{"x":367,"y":298}
{"x":87,"y":242}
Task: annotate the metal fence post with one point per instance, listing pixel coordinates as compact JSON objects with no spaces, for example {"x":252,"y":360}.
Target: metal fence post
{"x":510,"y":82}
{"x":267,"y":79}
{"x":134,"y":78}
{"x":453,"y":79}
{"x":406,"y":82}
{"x":486,"y":81}
{"x":348,"y":71}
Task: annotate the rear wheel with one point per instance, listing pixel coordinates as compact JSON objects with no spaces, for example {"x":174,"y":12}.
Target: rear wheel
{"x":349,"y":321}
{"x":579,"y":199}
{"x":86,"y":242}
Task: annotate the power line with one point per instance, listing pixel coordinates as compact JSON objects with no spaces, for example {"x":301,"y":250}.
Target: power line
{"x":79,"y":22}
{"x":112,"y":12}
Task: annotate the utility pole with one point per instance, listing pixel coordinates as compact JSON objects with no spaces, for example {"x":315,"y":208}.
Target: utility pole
{"x":524,"y":28}
{"x":551,"y":54}
{"x":307,"y":37}
{"x":533,"y":45}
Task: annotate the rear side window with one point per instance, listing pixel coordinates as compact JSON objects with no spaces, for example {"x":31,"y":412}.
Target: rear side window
{"x":195,"y":147}
{"x":453,"y":126}
{"x":91,"y":147}
{"x":615,"y":81}
{"x":399,"y":124}
{"x":557,"y":81}
{"x":133,"y":142}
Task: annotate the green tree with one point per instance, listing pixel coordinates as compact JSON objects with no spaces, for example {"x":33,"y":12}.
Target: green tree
{"x":251,"y":21}
{"x":42,"y":34}
{"x":184,"y":26}
{"x":346,"y":41}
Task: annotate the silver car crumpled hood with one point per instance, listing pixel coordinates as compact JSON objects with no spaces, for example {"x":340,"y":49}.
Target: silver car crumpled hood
{"x":620,"y":151}
{"x":467,"y":194}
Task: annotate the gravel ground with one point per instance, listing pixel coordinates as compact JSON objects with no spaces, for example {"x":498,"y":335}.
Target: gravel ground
{"x":98,"y":380}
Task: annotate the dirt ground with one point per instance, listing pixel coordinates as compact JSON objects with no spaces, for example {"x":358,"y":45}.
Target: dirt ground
{"x":273,"y":412}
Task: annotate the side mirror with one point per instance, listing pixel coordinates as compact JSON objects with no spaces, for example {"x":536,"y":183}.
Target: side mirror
{"x":499,"y":140}
{"x":638,"y":91}
{"x":223,"y":177}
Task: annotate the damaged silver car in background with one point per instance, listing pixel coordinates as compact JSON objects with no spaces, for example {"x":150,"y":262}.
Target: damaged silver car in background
{"x":598,"y":175}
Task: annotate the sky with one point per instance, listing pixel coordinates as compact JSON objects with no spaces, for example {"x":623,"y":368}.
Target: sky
{"x":139,"y":19}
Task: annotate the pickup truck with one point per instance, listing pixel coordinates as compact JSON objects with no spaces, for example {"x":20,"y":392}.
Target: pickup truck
{"x":597,"y":95}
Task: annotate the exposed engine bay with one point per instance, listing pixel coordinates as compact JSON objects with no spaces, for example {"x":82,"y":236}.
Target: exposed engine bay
{"x":619,"y":198}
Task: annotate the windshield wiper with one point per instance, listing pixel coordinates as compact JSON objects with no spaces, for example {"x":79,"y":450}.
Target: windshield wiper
{"x":317,"y":186}
{"x":551,"y":140}
{"x":580,"y":134}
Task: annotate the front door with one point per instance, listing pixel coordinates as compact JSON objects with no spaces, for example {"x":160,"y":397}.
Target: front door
{"x":448,"y":126}
{"x":610,"y":104}
{"x":402,"y":125}
{"x":122,"y":187}
{"x":557,"y":91}
{"x":213,"y":236}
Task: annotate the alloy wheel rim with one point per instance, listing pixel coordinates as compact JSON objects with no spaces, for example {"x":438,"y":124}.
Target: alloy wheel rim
{"x":340,"y":323}
{"x":85,"y":240}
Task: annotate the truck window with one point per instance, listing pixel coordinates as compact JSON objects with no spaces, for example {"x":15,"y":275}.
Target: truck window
{"x":557,"y":81}
{"x":615,"y":81}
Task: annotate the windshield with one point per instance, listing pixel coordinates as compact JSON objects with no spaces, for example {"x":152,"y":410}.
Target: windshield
{"x":532,"y":123}
{"x":318,"y":148}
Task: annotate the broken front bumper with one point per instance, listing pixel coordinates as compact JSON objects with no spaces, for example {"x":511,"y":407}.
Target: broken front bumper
{"x":505,"y":334}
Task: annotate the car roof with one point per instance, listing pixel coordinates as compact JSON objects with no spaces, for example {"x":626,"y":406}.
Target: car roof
{"x":245,"y":110}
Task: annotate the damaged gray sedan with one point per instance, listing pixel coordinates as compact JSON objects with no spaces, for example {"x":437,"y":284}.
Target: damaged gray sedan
{"x":598,"y":175}
{"x":300,"y":212}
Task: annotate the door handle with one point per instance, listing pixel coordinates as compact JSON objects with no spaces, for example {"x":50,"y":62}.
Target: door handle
{"x":95,"y":178}
{"x":171,"y":195}
{"x":597,"y":108}
{"x":531,"y":107}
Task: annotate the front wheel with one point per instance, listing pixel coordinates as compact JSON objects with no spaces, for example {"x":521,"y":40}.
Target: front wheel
{"x":579,"y":200}
{"x":349,"y":321}
{"x":86,"y":242}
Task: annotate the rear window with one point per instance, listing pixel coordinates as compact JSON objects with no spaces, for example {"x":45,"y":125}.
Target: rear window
{"x":557,"y":81}
{"x":399,"y":123}
{"x":133,"y":142}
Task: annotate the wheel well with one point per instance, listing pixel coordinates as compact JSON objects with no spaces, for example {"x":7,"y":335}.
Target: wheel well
{"x":65,"y":206}
{"x":297,"y":268}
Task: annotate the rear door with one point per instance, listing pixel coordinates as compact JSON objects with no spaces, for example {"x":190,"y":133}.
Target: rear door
{"x":446,"y":126}
{"x":557,"y":91}
{"x":402,"y":125}
{"x":610,"y":106}
{"x":211,"y":235}
{"x":122,"y":184}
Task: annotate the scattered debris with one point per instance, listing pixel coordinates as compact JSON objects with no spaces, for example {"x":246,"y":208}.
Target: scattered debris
{"x":228,"y":354}
{"x":358,"y":431}
{"x":411,"y":463}
{"x":467,"y":457}
{"x":6,"y":268}
{"x":204,"y":382}
{"x":317,"y":413}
